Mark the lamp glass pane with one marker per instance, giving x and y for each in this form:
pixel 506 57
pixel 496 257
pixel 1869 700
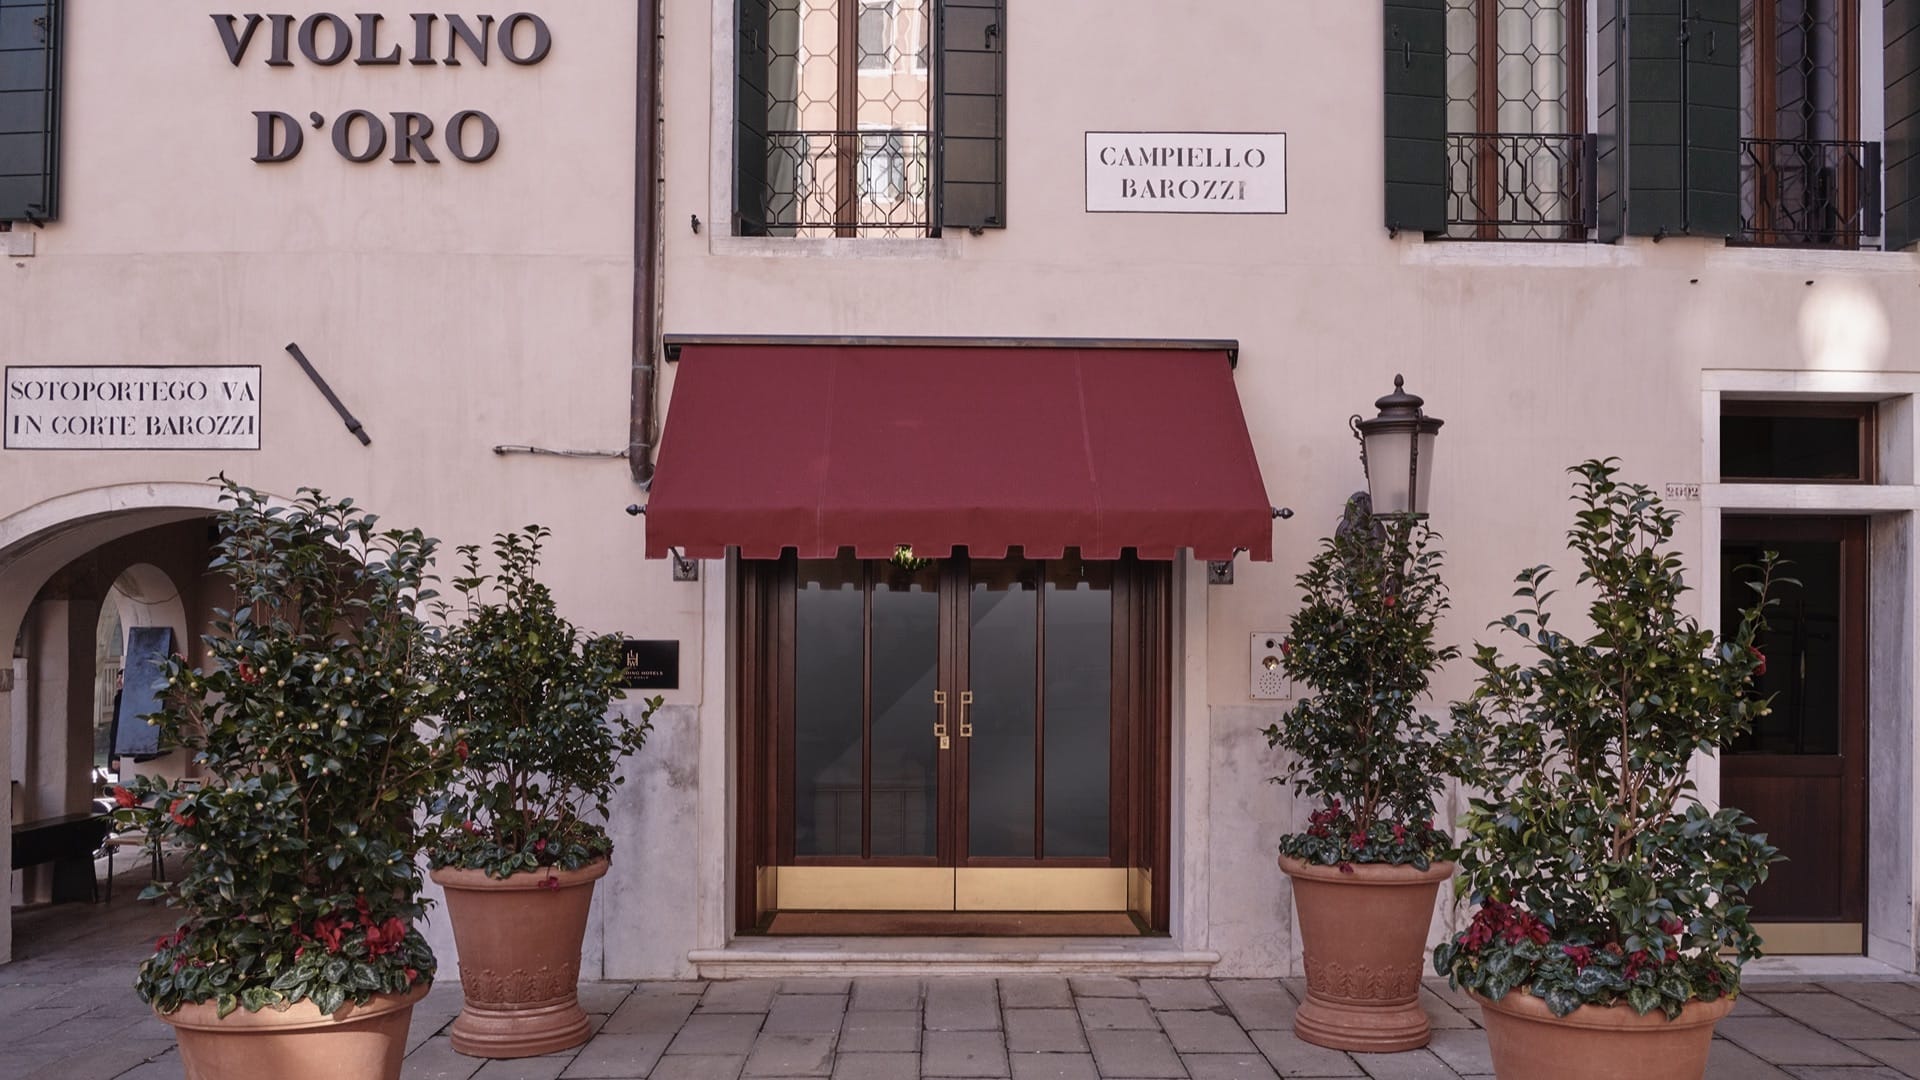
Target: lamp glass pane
pixel 1387 456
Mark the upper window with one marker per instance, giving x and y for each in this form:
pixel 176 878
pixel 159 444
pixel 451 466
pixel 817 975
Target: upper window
pixel 1806 179
pixel 1796 442
pixel 836 117
pixel 1515 112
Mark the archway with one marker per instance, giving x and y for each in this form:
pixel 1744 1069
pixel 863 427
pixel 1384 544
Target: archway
pixel 141 548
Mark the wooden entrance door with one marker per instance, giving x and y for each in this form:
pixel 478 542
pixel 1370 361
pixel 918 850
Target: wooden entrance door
pixel 958 735
pixel 1802 772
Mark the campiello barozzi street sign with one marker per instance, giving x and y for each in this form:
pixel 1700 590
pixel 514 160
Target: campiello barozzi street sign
pixel 1186 172
pixel 132 408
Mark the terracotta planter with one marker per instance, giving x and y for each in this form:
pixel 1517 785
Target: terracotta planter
pixel 1363 935
pixel 1596 1042
pixel 298 1042
pixel 519 959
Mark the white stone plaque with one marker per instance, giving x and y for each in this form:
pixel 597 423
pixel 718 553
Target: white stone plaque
pixel 1186 172
pixel 132 408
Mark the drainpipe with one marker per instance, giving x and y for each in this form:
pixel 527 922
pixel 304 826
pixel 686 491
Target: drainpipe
pixel 646 244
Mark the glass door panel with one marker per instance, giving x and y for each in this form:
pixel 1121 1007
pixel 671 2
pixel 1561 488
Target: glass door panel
pixel 1076 709
pixel 906 671
pixel 999 725
pixel 829 706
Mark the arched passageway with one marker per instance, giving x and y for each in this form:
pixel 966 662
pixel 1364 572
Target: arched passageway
pixel 77 574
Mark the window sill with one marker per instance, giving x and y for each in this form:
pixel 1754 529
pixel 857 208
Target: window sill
pixel 834 247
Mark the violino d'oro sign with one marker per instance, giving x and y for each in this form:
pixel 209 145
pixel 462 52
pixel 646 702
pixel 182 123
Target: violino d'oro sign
pixel 1186 172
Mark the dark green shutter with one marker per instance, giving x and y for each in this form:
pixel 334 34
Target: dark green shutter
pixel 1681 128
pixel 972 82
pixel 751 62
pixel 29 109
pixel 1609 133
pixel 1416 115
pixel 1903 123
pixel 1654 171
pixel 1713 118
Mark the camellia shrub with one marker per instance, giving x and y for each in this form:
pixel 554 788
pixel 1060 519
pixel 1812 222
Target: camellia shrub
pixel 527 725
pixel 1598 877
pixel 300 880
pixel 1363 641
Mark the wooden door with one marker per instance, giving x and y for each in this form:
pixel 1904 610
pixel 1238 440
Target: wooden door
pixel 1802 773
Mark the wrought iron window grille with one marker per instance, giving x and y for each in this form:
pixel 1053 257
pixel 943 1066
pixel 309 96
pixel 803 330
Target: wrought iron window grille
pixel 1520 186
pixel 1809 193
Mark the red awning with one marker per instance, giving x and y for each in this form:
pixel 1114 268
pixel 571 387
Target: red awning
pixel 822 447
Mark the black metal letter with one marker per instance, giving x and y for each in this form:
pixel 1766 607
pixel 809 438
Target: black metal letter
pixel 342 38
pixel 282 29
pixel 423 38
pixel 236 45
pixel 267 121
pixel 343 136
pixel 458 31
pixel 456 136
pixel 542 38
pixel 411 130
pixel 370 43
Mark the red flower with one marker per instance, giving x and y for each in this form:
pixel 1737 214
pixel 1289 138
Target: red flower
pixel 126 800
pixel 299 951
pixel 1286 648
pixel 1760 656
pixel 1400 832
pixel 462 751
pixel 1671 926
pixel 1581 955
pixel 1358 840
pixel 248 674
pixel 185 821
pixel 386 937
pixel 1390 601
pixel 551 883
pixel 472 827
pixel 411 976
pixel 539 845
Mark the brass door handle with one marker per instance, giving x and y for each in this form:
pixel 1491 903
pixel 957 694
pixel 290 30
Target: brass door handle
pixel 966 702
pixel 940 725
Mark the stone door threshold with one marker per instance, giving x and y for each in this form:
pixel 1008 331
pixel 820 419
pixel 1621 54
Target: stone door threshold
pixel 763 957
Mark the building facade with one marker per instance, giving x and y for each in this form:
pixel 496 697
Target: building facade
pixel 946 344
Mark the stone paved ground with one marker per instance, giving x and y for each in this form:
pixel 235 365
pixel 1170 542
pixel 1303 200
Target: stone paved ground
pixel 67 1013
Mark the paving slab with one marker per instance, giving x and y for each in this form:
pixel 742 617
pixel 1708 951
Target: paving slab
pixel 964 1053
pixel 1111 1013
pixel 617 1056
pixel 806 1014
pixel 1104 986
pixel 1205 1033
pixel 1902 1054
pixel 1727 1061
pixel 437 1060
pixel 1036 992
pixel 875 1066
pixel 1411 1065
pixel 1835 1016
pixel 743 995
pixel 1054 1067
pixel 533 1068
pixel 896 1031
pixel 1165 994
pixel 644 1013
pixel 1128 1054
pixel 1890 997
pixel 962 1004
pixel 815 986
pixel 716 1033
pixel 1780 1041
pixel 698 1067
pixel 1258 1004
pixel 1228 1067
pixel 1291 1056
pixel 884 994
pixel 790 1055
pixel 1044 1031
